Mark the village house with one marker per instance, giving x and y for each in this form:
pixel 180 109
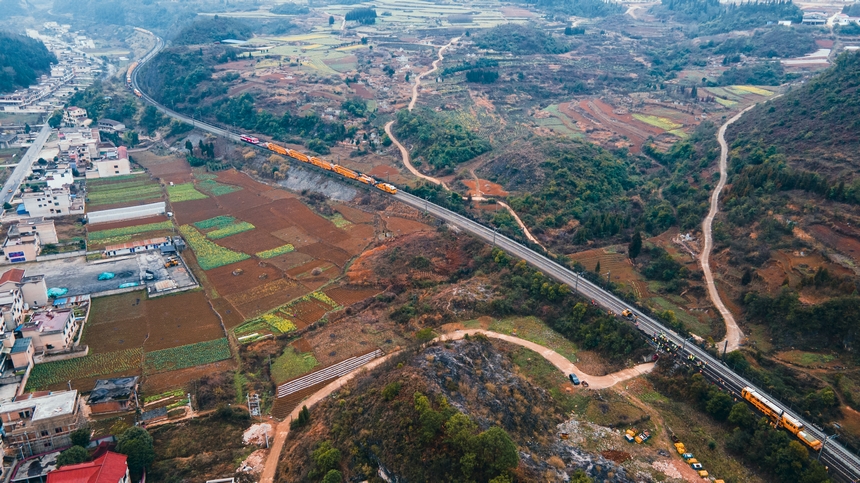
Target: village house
pixel 105 168
pixel 109 468
pixel 38 422
pixel 114 395
pixel 136 246
pixel 52 202
pixel 21 353
pixel 60 177
pixel 51 330
pixel 110 125
pixel 25 239
pixel 33 288
pixel 11 310
pixel 74 116
pixel 79 145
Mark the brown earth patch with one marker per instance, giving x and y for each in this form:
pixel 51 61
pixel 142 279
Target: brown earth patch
pixel 354 215
pixel 616 456
pixel 295 236
pixel 305 270
pixel 309 311
pixel 348 296
pixel 241 200
pixel 302 345
pixel 383 170
pixel 324 251
pixel 229 315
pixel 188 212
pixel 402 226
pixel 516 12
pixel 843 244
pixel 261 291
pixel 314 283
pixel 359 237
pixel 277 194
pixel 114 336
pixel 261 305
pixel 485 188
pixel 250 242
pixel 254 274
pixel 165 381
pixel 290 260
pixel 362 91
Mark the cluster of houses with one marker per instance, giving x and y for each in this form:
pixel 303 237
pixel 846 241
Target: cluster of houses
pixel 37 426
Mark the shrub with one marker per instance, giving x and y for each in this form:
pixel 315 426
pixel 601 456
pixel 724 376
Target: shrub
pixel 391 391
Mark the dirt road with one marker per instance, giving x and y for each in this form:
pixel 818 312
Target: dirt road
pixel 404 154
pixel 434 69
pixel 558 360
pixel 733 332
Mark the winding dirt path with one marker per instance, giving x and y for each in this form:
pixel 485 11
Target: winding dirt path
pixel 595 382
pixel 407 161
pixel 733 332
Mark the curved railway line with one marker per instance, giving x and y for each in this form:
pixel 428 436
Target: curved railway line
pixel 841 463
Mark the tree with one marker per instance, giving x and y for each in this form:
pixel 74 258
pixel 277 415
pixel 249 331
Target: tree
pixel 635 247
pixel 131 138
pixel 694 93
pixel 333 476
pixel 747 277
pixel 7 206
pixel 27 128
pixel 497 451
pixel 72 456
pixel 80 437
pixel 136 443
pixel 331 20
pixel 597 268
pixel 741 416
pixel 56 119
pixel 363 42
pixel 189 146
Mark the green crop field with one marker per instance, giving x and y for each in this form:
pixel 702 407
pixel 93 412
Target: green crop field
pixel 209 255
pixel 661 122
pixel 184 192
pixel 231 229
pixel 274 252
pixel 136 189
pixel 49 373
pixel 292 364
pixel 128 231
pixel 215 223
pixel 215 188
pixel 186 356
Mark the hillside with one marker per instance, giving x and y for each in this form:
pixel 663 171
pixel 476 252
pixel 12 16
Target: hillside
pixel 712 16
pixel 206 30
pixel 22 61
pixel 520 40
pixel 814 127
pixel 459 412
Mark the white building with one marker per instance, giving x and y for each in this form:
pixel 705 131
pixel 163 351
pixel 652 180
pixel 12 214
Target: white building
pixel 74 116
pixel 60 177
pixel 52 202
pixel 110 125
pixel 80 145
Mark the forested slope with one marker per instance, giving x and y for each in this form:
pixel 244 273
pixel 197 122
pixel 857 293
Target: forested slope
pixel 814 127
pixel 22 61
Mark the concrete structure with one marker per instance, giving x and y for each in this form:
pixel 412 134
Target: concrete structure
pixel 51 330
pixel 6 140
pixel 11 310
pixel 136 246
pixel 33 289
pixel 114 395
pixel 109 468
pixel 110 125
pixel 74 116
pixel 39 422
pixel 80 145
pixel 22 354
pixel 52 202
pixel 814 18
pixel 128 213
pixel 111 167
pixel 45 228
pixel 60 177
pixel 21 247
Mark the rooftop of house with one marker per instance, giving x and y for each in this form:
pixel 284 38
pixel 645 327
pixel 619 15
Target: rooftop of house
pixel 118 389
pixel 48 321
pixel 13 239
pixel 12 275
pixel 46 406
pixel 109 122
pixel 8 298
pixel 135 244
pixel 110 467
pixel 21 345
pixel 48 191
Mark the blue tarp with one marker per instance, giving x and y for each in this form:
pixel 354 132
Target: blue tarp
pixel 54 292
pixel 106 276
pixel 129 284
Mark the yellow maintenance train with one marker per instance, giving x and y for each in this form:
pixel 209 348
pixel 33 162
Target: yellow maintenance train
pixel 320 163
pixel 780 418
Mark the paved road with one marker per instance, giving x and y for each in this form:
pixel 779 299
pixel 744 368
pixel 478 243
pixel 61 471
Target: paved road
pixel 559 361
pixel 843 464
pixel 733 332
pixel 23 169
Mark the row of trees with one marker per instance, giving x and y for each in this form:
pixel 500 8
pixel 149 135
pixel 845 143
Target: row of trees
pixel 364 16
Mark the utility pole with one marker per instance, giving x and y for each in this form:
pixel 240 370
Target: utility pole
pixel 824 443
pixel 494 237
pixel 576 284
pixel 725 348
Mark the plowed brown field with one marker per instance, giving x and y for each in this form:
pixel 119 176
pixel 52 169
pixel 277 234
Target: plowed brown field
pixel 348 296
pixel 254 274
pixel 324 251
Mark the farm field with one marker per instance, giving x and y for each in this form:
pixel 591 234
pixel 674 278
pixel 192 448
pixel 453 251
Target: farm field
pixel 184 192
pixel 108 236
pixel 126 190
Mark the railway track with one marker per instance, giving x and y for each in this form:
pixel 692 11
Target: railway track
pixel 841 463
